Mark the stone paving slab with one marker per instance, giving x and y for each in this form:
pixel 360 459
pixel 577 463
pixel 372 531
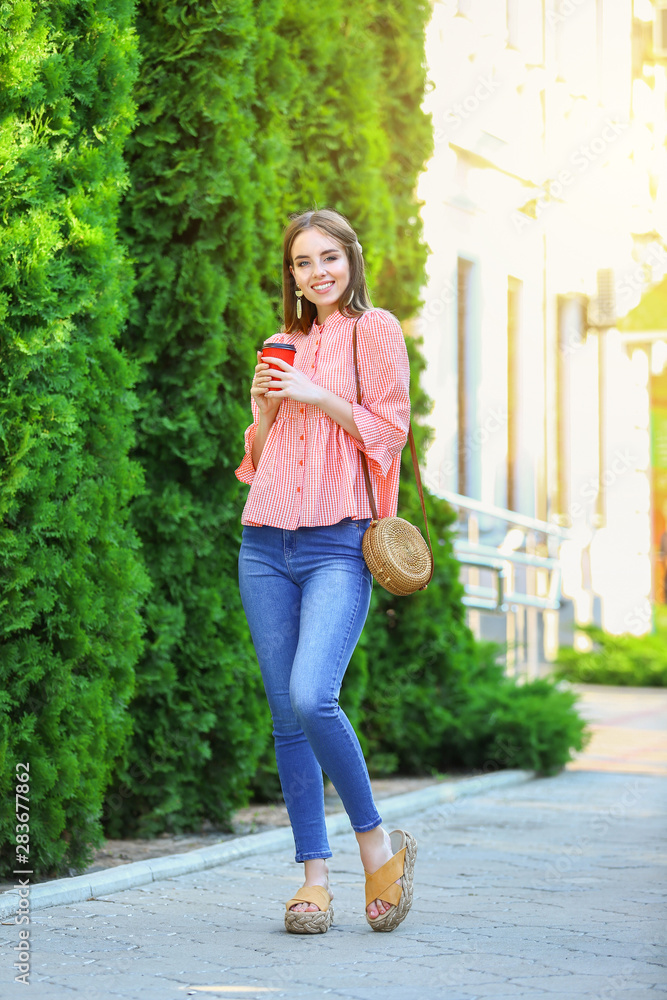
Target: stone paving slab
pixel 552 888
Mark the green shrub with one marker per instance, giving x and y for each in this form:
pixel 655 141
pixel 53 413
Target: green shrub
pixel 201 223
pixel 239 124
pixel 639 661
pixel 71 582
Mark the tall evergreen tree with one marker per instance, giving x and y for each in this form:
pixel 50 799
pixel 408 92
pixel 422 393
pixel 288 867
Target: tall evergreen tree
pixel 200 218
pixel 246 112
pixel 71 581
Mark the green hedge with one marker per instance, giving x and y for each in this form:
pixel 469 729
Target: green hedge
pixel 71 583
pixel 636 660
pixel 246 112
pixel 201 222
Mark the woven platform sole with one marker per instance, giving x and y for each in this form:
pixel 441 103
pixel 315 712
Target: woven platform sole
pixel 395 915
pixel 313 922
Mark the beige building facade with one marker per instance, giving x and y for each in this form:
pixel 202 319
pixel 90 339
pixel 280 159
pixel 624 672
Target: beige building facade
pixel 545 209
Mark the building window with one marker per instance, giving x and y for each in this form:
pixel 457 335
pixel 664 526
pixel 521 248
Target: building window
pixel 525 30
pixel 513 35
pixel 660 30
pixel 577 49
pixel 466 378
pixel 514 294
pixel 571 318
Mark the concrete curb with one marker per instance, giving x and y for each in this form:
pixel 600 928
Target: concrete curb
pixel 82 887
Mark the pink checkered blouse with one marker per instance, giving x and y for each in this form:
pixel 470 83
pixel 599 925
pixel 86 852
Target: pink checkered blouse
pixel 310 470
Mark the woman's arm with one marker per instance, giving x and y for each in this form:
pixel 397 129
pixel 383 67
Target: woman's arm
pixel 267 407
pixel 291 383
pixel 339 410
pixel 379 428
pixel 261 434
pixel 383 418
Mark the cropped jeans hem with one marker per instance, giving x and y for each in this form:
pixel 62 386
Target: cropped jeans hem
pixel 312 857
pixel 367 826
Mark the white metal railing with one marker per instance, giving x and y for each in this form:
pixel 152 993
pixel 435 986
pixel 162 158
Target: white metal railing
pixel 526 575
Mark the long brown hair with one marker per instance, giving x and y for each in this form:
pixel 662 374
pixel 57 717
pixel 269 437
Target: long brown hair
pixel 355 299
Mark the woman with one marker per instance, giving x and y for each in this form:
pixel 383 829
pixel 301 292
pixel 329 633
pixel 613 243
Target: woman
pixel 304 584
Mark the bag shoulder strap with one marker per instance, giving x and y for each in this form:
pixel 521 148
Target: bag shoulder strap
pixel 413 452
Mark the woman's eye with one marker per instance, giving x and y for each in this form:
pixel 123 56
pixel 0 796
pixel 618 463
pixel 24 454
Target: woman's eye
pixel 301 263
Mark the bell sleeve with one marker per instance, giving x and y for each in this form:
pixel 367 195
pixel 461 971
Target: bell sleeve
pixel 246 470
pixel 383 418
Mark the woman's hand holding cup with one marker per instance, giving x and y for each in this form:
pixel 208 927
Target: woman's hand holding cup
pixel 262 389
pixel 267 404
pixel 276 379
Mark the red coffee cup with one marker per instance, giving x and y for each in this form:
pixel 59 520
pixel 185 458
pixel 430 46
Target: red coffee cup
pixel 286 352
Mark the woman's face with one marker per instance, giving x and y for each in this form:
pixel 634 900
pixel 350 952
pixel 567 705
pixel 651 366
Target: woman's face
pixel 321 270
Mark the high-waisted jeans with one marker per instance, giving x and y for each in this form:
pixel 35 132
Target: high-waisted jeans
pixel 306 595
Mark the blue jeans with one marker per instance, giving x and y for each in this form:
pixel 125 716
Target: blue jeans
pixel 306 595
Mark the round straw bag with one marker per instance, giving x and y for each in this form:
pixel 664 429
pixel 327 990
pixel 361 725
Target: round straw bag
pixel 395 550
pixel 397 555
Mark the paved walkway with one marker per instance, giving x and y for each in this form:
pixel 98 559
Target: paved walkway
pixel 629 729
pixel 553 888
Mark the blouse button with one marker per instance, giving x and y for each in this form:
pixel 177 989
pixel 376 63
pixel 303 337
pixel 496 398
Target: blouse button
pixel 298 489
pixel 301 438
pixel 301 410
pixel 301 461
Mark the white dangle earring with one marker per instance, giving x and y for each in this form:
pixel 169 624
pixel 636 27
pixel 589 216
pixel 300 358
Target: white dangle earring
pixel 299 293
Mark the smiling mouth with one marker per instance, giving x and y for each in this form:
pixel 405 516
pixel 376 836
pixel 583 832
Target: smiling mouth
pixel 323 287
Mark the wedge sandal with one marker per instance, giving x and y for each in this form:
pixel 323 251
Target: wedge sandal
pixel 312 921
pixel 382 883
